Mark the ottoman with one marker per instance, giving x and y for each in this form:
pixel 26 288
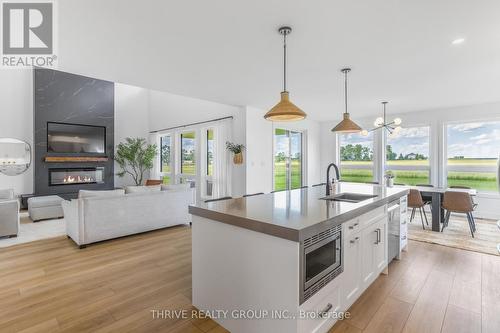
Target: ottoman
pixel 47 207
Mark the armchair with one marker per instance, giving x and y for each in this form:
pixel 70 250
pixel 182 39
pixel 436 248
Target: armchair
pixel 9 214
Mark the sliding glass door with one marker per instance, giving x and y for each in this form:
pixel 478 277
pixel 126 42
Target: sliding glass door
pixel 188 157
pixel 287 159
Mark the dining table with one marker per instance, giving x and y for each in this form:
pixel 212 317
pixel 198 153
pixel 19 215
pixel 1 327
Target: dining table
pixel 435 196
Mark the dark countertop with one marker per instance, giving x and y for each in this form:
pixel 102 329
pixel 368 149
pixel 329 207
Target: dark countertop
pixel 296 214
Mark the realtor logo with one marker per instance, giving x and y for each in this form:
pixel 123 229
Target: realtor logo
pixel 28 34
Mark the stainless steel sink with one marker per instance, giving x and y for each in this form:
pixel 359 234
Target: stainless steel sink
pixel 349 197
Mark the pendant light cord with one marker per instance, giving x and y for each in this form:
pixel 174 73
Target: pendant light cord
pixel 345 89
pixel 284 61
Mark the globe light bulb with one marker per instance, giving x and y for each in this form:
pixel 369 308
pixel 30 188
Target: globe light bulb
pixel 378 122
pixel 397 129
pixel 364 133
pixel 397 121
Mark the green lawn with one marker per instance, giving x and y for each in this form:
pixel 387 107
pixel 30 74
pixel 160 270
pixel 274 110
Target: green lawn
pixel 483 181
pixel 280 175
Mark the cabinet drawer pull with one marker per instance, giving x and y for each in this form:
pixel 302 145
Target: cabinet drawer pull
pixel 354 225
pixel 354 240
pixel 379 238
pixel 327 308
pixel 403 237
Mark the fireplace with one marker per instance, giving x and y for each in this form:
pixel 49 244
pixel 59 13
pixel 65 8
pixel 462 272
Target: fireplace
pixel 75 176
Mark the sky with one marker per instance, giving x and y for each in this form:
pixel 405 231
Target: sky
pixel 281 143
pixel 471 140
pixel 474 140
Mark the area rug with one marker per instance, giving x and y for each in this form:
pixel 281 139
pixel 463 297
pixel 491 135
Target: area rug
pixel 457 234
pixel 29 231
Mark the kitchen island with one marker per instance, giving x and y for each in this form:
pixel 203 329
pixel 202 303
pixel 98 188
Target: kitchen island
pixel 290 261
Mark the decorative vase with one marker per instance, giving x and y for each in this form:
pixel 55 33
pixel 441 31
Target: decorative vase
pixel 390 182
pixel 238 158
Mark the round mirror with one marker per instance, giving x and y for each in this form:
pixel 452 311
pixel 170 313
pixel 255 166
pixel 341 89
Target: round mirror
pixel 15 156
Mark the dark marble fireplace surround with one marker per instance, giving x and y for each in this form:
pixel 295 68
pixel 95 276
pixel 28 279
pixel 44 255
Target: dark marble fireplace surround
pixel 72 99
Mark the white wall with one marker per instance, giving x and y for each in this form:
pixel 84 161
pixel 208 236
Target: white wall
pixel 131 119
pixel 169 110
pixel 260 142
pixel 489 204
pixel 16 120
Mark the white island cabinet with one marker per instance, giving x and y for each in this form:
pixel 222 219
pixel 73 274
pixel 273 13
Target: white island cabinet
pixel 247 272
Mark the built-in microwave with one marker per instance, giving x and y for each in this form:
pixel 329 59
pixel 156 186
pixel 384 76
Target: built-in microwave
pixel 321 260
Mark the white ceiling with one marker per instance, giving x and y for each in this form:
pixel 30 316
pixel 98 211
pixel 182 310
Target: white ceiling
pixel 229 50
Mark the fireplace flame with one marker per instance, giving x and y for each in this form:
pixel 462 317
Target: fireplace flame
pixel 77 179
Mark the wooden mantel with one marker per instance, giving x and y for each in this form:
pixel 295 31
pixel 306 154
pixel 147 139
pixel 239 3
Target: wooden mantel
pixel 74 159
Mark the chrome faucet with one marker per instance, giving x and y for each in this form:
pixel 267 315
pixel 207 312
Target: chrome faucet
pixel 337 176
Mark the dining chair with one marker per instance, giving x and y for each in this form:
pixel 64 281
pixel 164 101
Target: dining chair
pixel 426 200
pixel 218 199
pixel 320 184
pixel 253 194
pixel 415 202
pixel 459 202
pixel 465 188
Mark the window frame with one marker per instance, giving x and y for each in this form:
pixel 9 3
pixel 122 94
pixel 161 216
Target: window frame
pixel 170 174
pixel 303 166
pixel 431 156
pixel 180 175
pixel 444 149
pixel 375 157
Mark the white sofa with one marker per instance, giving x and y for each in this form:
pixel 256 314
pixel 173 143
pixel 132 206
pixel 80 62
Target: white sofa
pixel 9 214
pixel 97 218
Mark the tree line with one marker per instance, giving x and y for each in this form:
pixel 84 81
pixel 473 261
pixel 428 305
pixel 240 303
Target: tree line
pixel 359 152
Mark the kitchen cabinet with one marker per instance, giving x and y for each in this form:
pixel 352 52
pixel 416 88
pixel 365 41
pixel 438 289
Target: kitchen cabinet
pixel 374 250
pixel 365 255
pixel 351 287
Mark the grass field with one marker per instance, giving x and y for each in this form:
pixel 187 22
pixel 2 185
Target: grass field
pixel 484 181
pixel 280 175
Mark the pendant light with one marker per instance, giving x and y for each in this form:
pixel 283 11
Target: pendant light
pixel 392 127
pixel 285 110
pixel 346 125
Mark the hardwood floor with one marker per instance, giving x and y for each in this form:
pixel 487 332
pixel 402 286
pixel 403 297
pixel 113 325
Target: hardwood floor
pixel 52 286
pixel 432 289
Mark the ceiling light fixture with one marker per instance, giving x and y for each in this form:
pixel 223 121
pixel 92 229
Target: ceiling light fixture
pixel 392 128
pixel 346 125
pixel 285 110
pixel 458 41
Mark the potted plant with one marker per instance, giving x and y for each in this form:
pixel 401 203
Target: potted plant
pixel 135 156
pixel 389 178
pixel 237 150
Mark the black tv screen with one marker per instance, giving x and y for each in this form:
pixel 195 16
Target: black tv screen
pixel 78 139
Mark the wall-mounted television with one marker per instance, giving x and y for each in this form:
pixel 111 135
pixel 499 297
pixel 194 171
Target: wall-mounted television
pixel 75 138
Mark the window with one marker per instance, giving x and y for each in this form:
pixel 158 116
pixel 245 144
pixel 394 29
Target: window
pixel 287 159
pixel 407 155
pixel 356 157
pixel 166 159
pixel 210 162
pixel 210 152
pixel 473 150
pixel 188 159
